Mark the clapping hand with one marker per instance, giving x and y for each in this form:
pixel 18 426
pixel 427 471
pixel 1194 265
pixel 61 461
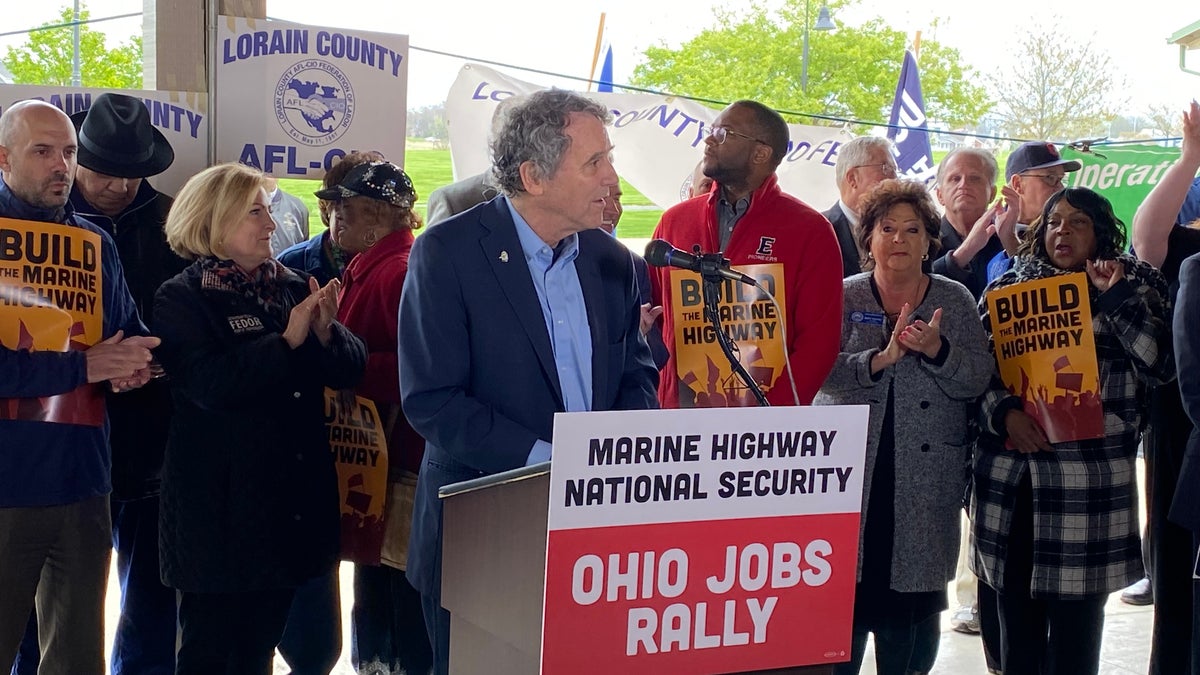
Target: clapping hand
pixel 1006 219
pixel 124 363
pixel 922 337
pixel 315 313
pixel 977 238
pixel 895 349
pixel 326 308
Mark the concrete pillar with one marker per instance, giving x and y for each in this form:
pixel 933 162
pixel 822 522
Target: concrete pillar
pixel 174 40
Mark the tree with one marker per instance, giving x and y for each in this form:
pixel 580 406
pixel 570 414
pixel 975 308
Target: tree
pixel 852 72
pixel 428 121
pixel 1056 89
pixel 46 57
pixel 1166 118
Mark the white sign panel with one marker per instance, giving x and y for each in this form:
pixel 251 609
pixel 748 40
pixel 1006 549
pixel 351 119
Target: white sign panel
pixel 181 116
pixel 293 99
pixel 702 541
pixel 658 139
pixel 654 466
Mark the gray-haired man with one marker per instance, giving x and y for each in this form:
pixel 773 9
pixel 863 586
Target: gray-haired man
pixel 513 311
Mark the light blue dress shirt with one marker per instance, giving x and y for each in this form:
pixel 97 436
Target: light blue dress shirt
pixel 561 297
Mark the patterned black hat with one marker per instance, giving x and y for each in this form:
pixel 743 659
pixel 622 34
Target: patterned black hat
pixel 376 180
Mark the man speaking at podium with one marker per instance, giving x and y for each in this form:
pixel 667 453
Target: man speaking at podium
pixel 512 311
pixel 783 243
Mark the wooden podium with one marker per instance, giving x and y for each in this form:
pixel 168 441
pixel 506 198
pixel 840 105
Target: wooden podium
pixel 493 573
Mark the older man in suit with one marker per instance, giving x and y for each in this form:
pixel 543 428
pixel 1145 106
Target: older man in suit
pixel 861 164
pixel 514 311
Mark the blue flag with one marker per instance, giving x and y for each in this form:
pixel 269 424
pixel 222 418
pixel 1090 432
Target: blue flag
pixel 909 133
pixel 606 72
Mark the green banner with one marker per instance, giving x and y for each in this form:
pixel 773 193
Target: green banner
pixel 1124 174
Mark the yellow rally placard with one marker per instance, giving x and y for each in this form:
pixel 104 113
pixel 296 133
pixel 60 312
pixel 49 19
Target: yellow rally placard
pixel 51 299
pixel 749 318
pixel 359 445
pixel 1047 354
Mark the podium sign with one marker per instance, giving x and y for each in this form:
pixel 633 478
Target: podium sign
pixel 702 541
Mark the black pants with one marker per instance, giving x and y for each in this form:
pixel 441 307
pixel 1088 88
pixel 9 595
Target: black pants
pixel 312 638
pixel 1171 563
pixel 893 649
pixel 387 623
pixel 927 638
pixel 1043 636
pixel 437 622
pixel 231 633
pixel 989 625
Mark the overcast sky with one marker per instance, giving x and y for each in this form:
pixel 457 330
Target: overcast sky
pixel 558 36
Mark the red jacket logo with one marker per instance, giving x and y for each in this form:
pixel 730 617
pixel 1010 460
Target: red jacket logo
pixel 765 245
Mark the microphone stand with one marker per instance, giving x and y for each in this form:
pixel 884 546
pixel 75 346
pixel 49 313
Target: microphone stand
pixel 710 263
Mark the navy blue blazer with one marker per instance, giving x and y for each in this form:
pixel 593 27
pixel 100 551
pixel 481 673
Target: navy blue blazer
pixel 477 373
pixel 851 264
pixel 1185 510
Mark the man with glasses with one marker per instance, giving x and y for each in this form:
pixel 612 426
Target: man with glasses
pixel 861 164
pixel 790 245
pixel 1036 171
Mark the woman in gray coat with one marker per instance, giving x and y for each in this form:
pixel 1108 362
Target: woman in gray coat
pixel 912 349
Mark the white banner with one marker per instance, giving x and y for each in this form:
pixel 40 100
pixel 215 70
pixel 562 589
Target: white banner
pixel 291 99
pixel 711 464
pixel 181 116
pixel 658 139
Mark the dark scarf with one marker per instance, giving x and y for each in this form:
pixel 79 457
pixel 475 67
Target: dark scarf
pixel 263 286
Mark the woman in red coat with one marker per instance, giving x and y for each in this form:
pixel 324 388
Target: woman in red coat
pixel 373 206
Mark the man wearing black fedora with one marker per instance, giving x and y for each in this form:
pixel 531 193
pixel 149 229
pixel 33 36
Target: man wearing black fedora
pixel 118 149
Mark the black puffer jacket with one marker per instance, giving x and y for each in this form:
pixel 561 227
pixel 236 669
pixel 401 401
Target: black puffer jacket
pixel 249 493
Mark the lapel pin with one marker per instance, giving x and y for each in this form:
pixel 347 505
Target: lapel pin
pixel 503 256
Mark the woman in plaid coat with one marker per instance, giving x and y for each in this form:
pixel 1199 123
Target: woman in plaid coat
pixel 1054 525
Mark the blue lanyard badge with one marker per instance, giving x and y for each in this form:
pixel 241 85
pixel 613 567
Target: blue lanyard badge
pixel 869 318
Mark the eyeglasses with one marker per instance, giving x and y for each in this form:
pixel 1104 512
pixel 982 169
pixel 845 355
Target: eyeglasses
pixel 1048 178
pixel 719 135
pixel 886 169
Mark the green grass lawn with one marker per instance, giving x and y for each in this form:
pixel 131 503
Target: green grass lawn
pixel 429 169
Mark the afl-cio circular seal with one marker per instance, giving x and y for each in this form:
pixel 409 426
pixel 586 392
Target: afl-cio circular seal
pixel 314 102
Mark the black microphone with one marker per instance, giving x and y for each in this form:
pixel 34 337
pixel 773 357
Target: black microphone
pixel 662 254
